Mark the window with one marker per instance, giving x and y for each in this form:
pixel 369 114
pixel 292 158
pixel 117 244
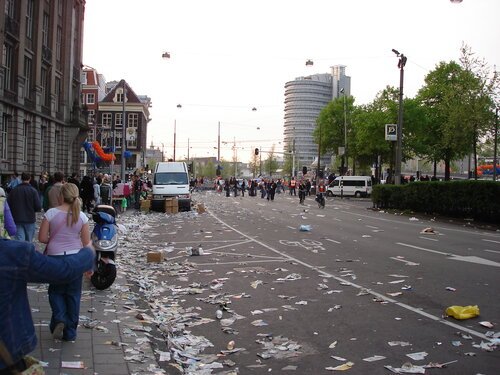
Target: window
pixel 90 98
pixel 133 120
pixel 58 44
pixel 58 146
pixel 45 30
pixel 45 88
pixel 91 116
pixel 118 119
pixel 43 134
pixel 29 19
pixel 24 139
pixel 7 62
pixel 3 136
pixel 118 140
pixel 106 119
pixel 119 95
pixel 58 93
pixel 28 76
pixel 9 8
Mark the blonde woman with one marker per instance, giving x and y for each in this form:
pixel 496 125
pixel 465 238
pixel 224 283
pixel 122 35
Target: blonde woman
pixel 65 230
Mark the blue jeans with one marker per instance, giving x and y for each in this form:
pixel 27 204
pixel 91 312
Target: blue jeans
pixel 64 300
pixel 25 232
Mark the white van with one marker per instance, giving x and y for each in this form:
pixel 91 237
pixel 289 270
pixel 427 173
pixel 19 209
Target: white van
pixel 357 186
pixel 171 180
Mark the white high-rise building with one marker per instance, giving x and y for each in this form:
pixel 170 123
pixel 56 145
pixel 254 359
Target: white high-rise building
pixel 305 97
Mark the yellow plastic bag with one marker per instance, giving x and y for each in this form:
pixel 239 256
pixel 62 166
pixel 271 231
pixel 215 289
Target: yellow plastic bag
pixel 463 312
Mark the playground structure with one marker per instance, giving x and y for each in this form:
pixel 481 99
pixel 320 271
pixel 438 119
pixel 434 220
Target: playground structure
pixel 487 169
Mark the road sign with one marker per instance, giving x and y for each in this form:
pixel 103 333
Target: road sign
pixel 391 132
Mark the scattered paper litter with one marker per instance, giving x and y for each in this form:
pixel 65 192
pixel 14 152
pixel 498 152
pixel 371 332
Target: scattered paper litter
pixel 406 368
pixel 374 358
pixel 486 324
pixel 72 364
pixel 343 367
pixel 418 356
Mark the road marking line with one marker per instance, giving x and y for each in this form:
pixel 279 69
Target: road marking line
pixel 424 249
pixel 371 226
pixel 347 282
pixel 422 223
pixel 427 238
pixel 408 263
pixel 243 262
pixel 468 258
pixel 491 241
pixel 492 251
pixel 329 239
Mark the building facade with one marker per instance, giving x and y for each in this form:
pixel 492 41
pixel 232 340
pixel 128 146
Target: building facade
pixel 305 97
pixel 121 126
pixel 42 120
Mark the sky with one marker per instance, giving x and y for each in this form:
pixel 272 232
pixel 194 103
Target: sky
pixel 228 57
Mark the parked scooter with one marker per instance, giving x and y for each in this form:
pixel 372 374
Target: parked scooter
pixel 105 241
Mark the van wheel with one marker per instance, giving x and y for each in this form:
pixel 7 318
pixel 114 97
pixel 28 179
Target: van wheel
pixel 329 193
pixel 358 194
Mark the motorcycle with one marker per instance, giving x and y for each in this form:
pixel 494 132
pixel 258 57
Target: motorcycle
pixel 105 241
pixel 320 199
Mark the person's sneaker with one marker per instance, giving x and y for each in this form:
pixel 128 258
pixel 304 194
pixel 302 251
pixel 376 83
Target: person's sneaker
pixel 58 331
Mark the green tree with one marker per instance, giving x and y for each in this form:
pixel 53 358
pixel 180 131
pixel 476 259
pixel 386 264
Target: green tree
pixel 332 122
pixel 445 97
pixel 478 106
pixel 271 164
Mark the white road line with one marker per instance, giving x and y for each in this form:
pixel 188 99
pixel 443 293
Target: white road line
pixel 413 223
pixel 492 251
pixel 371 226
pixel 490 241
pixel 407 262
pixel 243 262
pixel 347 282
pixel 427 238
pixel 329 239
pixel 467 258
pixel 424 249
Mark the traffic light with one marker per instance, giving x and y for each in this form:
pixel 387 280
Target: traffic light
pixel 190 167
pixel 218 171
pixel 304 170
pixel 256 151
pixel 321 174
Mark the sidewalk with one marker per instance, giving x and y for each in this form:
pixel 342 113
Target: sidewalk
pixel 111 339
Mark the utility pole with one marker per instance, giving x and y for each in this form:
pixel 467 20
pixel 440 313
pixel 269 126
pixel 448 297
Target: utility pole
pixel 175 135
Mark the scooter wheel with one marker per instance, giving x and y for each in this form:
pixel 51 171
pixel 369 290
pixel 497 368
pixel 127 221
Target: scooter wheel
pixel 104 277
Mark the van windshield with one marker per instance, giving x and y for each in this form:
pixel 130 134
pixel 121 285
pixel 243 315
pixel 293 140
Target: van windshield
pixel 171 178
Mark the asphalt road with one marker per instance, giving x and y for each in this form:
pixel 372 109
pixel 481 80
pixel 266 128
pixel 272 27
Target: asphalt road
pixel 358 284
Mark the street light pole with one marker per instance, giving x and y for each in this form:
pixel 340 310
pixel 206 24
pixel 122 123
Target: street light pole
pixel 124 134
pixel 342 90
pixel 319 156
pixel 399 143
pixel 495 160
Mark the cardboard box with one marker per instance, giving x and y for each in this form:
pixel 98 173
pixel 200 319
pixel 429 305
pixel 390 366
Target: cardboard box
pixel 154 257
pixel 171 206
pixel 145 205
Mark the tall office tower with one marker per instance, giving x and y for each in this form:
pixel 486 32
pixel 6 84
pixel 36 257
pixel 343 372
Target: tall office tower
pixel 305 97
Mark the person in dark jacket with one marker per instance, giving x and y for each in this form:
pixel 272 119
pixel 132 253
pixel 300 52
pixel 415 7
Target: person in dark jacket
pixel 24 203
pixel 21 264
pixel 87 193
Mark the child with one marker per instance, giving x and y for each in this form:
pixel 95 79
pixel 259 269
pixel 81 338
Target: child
pixel 124 205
